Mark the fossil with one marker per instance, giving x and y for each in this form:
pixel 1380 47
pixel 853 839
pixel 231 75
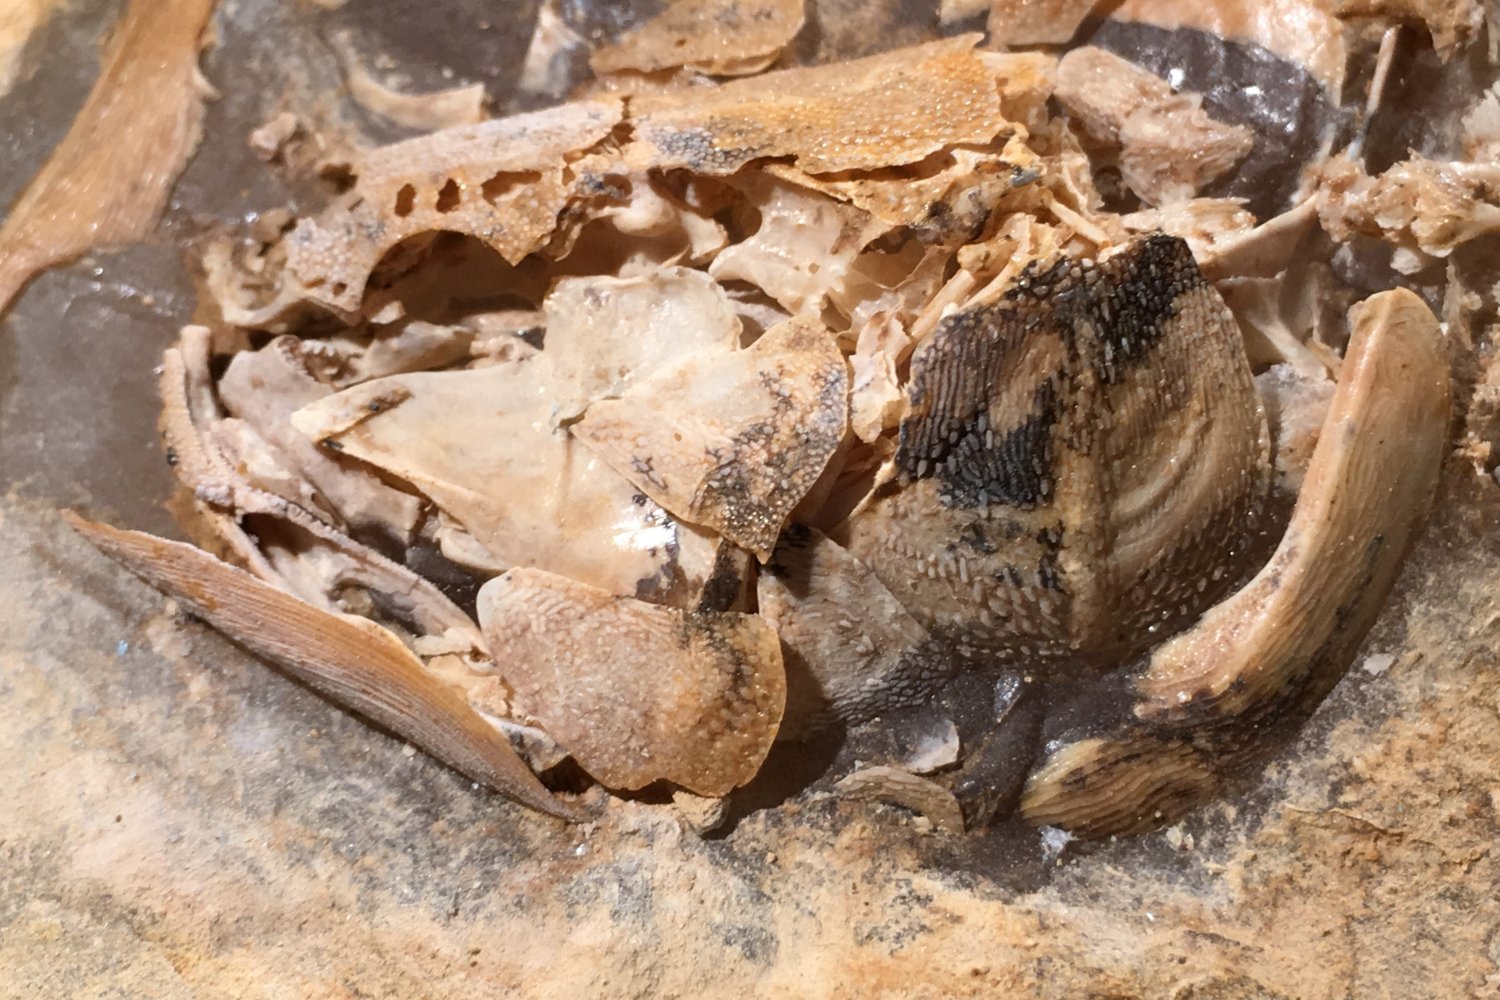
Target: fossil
pixel 649 432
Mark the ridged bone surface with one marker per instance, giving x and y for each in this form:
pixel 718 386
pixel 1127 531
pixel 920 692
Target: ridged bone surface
pixel 1083 462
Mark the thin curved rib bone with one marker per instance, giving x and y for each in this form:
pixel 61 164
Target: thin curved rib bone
pixel 1285 638
pixel 349 659
pixel 223 496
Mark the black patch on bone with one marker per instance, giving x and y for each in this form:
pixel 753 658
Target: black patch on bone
pixel 1242 83
pixel 1127 302
pixel 950 436
pixel 1108 315
pixel 1016 470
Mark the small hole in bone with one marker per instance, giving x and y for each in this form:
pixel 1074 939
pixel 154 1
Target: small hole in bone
pixel 406 198
pixel 448 196
pixel 506 181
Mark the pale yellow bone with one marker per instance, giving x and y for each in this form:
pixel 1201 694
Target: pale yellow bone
pixel 349 659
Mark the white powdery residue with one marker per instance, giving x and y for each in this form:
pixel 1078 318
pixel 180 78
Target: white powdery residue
pixel 1178 839
pixel 1377 663
pixel 1053 842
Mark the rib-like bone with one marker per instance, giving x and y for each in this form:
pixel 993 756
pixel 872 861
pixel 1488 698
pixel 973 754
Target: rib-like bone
pixel 224 498
pixel 1286 637
pixel 350 659
pixel 107 182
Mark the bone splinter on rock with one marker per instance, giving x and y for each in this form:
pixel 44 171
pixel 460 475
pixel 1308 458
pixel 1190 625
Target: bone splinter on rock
pixel 352 660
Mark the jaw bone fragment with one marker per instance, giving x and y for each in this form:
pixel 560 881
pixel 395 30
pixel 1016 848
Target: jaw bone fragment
pixel 1284 639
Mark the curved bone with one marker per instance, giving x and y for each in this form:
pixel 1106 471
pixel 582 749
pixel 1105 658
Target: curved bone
pixel 891 784
pixel 350 659
pixel 223 497
pixel 1284 639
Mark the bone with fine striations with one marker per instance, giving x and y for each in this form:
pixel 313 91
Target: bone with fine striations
pixel 731 440
pixel 891 784
pixel 350 659
pixel 636 692
pixel 1368 486
pixel 1076 460
pixel 108 180
pixel 1119 785
pixel 1286 637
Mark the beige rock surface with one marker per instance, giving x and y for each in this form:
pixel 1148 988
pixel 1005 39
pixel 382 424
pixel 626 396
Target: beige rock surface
pixel 181 822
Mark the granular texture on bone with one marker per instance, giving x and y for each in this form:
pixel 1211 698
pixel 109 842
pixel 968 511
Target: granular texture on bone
pixel 637 692
pixel 878 111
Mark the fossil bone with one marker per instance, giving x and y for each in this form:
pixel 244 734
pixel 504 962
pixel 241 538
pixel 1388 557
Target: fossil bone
pixel 637 692
pixel 1288 635
pixel 348 658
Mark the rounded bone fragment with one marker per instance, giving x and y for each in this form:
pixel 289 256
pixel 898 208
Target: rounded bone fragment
pixel 636 692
